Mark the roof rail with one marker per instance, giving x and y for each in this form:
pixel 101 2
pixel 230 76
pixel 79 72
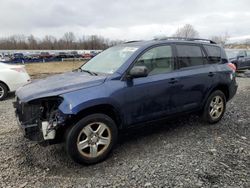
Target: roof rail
pixel 132 41
pixel 186 39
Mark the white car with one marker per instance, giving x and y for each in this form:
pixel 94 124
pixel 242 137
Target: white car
pixel 11 78
pixel 2 58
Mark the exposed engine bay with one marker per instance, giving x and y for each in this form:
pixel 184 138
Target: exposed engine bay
pixel 40 118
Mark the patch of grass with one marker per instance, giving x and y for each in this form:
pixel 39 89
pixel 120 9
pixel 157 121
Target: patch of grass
pixel 37 70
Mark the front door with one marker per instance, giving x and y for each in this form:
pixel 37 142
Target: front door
pixel 149 98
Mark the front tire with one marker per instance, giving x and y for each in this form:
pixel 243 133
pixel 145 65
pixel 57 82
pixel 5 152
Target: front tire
pixel 91 139
pixel 215 107
pixel 3 91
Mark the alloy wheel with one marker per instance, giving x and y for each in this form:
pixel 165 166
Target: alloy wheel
pixel 1 92
pixel 216 107
pixel 94 139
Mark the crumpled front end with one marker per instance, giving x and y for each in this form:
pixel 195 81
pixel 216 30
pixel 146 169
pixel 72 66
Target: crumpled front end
pixel 40 120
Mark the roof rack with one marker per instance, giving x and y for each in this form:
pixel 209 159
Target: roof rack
pixel 132 41
pixel 186 39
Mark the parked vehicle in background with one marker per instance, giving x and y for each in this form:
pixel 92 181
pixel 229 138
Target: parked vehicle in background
pixel 45 55
pixel 239 57
pixel 11 78
pixel 2 58
pixel 89 55
pixel 29 57
pixel 18 56
pixel 61 55
pixel 70 55
pixel 35 56
pixel 86 56
pixel 5 57
pixel 124 86
pixel 75 54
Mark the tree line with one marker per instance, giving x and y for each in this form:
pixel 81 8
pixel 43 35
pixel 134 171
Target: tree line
pixel 67 42
pixel 70 42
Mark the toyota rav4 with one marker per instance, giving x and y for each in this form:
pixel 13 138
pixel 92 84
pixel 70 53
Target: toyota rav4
pixel 124 86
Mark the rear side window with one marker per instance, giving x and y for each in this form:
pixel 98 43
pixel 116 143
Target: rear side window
pixel 189 55
pixel 214 54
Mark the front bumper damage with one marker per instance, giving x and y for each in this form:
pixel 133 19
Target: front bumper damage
pixel 40 120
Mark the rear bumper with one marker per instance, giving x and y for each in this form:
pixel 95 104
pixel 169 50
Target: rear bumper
pixel 232 90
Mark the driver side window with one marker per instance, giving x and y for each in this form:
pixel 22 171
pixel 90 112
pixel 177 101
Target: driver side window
pixel 157 60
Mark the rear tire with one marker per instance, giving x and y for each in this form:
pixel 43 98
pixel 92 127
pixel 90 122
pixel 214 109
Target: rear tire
pixel 215 107
pixel 91 139
pixel 3 91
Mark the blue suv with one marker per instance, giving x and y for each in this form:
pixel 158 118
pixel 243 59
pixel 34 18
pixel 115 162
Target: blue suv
pixel 125 86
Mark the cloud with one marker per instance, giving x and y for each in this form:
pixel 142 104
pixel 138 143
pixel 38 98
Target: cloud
pixel 127 19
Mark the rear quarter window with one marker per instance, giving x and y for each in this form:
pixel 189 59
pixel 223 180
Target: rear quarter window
pixel 214 54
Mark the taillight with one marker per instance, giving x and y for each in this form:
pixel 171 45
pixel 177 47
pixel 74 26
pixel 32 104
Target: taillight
pixel 18 69
pixel 232 66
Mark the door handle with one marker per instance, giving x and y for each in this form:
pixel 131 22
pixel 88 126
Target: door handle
pixel 173 81
pixel 211 74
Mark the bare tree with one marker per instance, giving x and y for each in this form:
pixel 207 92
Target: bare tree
pixel 48 42
pixel 68 39
pixel 187 31
pixel 221 39
pixel 32 42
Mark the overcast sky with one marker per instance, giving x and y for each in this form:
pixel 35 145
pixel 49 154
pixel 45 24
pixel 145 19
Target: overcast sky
pixel 124 19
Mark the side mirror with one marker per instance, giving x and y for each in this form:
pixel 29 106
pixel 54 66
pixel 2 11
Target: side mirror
pixel 138 71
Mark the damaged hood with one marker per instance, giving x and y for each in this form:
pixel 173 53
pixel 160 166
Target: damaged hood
pixel 57 85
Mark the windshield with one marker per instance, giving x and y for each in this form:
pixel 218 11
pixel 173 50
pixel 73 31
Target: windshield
pixel 232 53
pixel 109 60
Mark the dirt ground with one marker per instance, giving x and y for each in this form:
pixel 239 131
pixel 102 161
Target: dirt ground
pixel 185 152
pixel 39 70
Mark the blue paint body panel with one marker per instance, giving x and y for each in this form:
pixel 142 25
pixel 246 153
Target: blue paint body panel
pixel 137 100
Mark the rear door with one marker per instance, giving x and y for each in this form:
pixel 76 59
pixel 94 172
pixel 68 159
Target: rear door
pixel 195 77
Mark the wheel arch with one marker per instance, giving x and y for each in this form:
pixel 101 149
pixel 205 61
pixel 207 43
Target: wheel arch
pixel 106 109
pixel 222 87
pixel 5 85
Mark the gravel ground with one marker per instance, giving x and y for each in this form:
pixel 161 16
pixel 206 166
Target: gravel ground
pixel 179 153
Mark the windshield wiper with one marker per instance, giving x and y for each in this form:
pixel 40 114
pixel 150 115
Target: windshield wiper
pixel 90 72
